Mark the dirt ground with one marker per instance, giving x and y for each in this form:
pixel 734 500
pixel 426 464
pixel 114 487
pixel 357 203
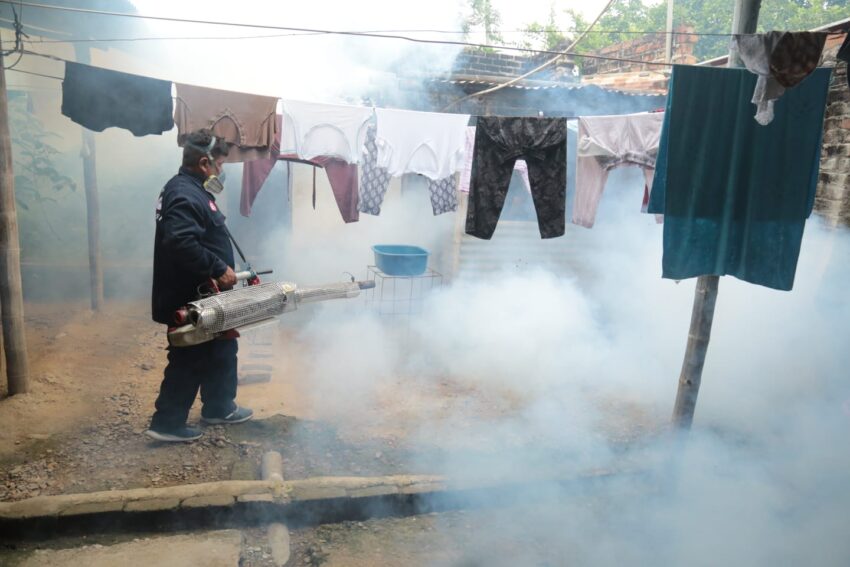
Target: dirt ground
pixel 94 381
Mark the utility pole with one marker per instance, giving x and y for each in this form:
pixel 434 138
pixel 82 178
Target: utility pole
pixel 668 46
pixel 11 290
pixel 745 20
pixel 89 155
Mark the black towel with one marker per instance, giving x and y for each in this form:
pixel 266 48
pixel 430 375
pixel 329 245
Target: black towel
pixel 99 98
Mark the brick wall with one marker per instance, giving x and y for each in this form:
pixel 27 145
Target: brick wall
pixel 833 196
pixel 475 62
pixel 646 48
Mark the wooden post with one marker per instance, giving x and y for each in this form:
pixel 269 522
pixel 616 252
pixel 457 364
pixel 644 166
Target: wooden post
pixel 745 20
pixel 700 333
pixel 668 44
pixel 11 290
pixel 93 219
pixel 89 155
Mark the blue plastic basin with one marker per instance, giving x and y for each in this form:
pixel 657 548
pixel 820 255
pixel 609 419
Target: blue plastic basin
pixel 400 259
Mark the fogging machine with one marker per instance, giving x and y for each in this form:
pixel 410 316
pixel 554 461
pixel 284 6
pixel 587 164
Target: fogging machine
pixel 221 313
pixel 254 305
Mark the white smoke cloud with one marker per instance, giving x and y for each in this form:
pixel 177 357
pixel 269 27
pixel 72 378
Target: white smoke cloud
pixel 562 372
pixel 297 65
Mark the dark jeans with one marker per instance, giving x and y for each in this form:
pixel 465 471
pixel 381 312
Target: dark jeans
pixel 209 366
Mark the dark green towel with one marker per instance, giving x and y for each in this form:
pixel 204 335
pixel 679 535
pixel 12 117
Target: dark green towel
pixel 735 195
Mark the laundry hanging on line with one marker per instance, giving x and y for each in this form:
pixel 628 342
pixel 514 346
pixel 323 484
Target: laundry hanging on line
pixel 735 195
pixel 246 122
pixel 520 166
pixel 375 180
pixel 428 143
pixel 781 60
pixel 606 143
pixel 318 129
pixel 499 142
pixel 255 172
pixel 98 99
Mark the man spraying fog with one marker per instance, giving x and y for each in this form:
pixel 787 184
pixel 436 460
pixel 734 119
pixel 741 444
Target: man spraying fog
pixel 191 246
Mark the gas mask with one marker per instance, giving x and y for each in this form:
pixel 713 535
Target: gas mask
pixel 214 184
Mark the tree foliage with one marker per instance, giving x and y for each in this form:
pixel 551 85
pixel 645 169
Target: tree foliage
pixel 484 15
pixel 705 16
pixel 37 179
pixel 39 182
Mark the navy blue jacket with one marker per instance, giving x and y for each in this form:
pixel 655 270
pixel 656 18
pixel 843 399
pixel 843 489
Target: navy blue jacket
pixel 190 246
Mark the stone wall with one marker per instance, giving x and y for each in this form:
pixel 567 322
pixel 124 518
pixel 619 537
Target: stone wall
pixel 477 62
pixel 833 196
pixel 645 48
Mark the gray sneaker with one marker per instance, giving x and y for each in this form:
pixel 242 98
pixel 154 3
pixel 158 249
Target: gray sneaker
pixel 180 434
pixel 239 415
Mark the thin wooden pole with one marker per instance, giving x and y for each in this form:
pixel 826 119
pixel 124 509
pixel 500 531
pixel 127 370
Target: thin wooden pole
pixel 745 20
pixel 11 290
pixel 89 155
pixel 93 219
pixel 668 45
pixel 698 337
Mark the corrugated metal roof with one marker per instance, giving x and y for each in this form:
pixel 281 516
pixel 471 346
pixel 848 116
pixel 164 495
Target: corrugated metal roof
pixel 539 87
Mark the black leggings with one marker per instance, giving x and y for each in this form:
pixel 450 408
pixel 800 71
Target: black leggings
pixel 542 143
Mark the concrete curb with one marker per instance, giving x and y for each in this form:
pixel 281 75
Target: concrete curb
pixel 294 503
pixel 215 494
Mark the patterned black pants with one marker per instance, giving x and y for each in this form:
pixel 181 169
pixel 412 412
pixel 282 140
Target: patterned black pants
pixel 542 143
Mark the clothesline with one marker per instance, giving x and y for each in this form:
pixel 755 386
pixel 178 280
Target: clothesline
pixel 301 34
pixel 62 60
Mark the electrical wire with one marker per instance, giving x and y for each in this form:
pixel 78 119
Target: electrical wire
pixel 536 51
pixel 315 31
pixel 310 31
pixel 36 74
pixel 306 34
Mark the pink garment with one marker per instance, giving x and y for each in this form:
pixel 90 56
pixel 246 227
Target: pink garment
pixel 255 173
pixel 609 142
pixel 343 179
pixel 466 173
